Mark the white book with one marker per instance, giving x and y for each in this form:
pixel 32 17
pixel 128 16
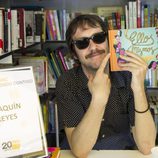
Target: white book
pixel 130 14
pixel 127 17
pixel 9 30
pixel 64 23
pixel 15 30
pixel 134 14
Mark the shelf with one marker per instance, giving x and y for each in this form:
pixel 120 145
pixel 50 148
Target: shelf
pixel 154 88
pixel 55 41
pixel 24 49
pixel 5 55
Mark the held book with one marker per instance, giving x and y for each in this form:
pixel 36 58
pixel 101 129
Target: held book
pixel 21 123
pixel 142 41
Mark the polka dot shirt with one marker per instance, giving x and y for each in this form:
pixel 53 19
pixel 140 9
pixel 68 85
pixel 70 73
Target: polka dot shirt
pixel 73 98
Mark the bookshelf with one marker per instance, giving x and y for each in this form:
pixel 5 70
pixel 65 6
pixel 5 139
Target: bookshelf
pixel 86 6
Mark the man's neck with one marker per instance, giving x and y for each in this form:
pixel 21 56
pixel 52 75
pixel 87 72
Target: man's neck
pixel 88 72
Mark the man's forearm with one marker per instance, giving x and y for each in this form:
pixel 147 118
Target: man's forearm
pixel 85 134
pixel 144 131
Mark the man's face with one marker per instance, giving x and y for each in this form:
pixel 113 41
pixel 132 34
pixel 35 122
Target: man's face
pixel 92 56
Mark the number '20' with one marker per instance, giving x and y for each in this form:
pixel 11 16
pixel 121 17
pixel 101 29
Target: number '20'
pixel 6 145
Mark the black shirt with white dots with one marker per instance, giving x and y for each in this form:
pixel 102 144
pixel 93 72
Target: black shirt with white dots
pixel 73 98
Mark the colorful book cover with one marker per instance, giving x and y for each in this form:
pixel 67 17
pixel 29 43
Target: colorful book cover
pixel 53 152
pixel 142 41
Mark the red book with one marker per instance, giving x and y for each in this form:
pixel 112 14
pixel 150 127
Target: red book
pixel 21 27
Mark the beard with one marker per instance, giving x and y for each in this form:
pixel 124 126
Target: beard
pixel 92 66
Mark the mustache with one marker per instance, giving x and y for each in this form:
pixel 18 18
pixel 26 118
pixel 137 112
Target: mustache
pixel 95 51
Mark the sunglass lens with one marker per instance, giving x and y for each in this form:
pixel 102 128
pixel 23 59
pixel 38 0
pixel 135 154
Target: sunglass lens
pixel 99 37
pixel 82 44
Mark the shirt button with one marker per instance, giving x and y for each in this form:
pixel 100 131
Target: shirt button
pixel 102 119
pixel 103 135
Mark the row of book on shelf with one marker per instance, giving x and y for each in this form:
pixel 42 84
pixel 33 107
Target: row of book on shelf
pixel 135 14
pixel 20 27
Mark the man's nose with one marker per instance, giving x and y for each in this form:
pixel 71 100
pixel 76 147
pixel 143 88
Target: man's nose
pixel 92 45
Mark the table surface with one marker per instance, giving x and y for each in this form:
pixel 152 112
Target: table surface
pixel 108 154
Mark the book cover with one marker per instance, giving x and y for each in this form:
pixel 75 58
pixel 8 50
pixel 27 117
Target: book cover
pixel 54 152
pixel 21 136
pixel 142 41
pixel 39 65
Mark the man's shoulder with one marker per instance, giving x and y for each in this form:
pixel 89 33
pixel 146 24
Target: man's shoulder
pixel 67 77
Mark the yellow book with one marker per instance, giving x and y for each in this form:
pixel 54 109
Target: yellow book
pixel 107 11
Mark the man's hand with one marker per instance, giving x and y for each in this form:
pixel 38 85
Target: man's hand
pixel 99 85
pixel 137 66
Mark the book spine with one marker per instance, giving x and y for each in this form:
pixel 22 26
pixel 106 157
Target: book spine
pixel 1 32
pixel 55 64
pixel 62 60
pixel 9 29
pixel 130 15
pixel 142 14
pixel 47 52
pixel 21 27
pixel 57 24
pixel 114 21
pixel 145 15
pixel 134 12
pixel 5 31
pixel 48 26
pixel 38 25
pixel 118 20
pixel 15 29
pixel 138 13
pixel 122 21
pixel 126 16
pixel 153 78
pixel 44 26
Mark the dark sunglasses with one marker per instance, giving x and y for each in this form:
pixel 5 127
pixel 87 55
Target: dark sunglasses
pixel 83 43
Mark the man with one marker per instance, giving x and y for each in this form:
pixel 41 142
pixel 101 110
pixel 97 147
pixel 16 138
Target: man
pixel 102 110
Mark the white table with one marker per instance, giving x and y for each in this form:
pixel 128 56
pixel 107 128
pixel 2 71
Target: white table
pixel 108 154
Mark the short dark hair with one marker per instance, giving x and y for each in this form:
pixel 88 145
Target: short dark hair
pixel 80 21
